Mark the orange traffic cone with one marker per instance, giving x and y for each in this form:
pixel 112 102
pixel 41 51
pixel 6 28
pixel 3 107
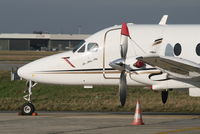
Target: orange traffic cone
pixel 138 115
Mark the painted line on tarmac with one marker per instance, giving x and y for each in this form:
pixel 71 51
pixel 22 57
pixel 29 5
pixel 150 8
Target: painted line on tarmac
pixel 179 130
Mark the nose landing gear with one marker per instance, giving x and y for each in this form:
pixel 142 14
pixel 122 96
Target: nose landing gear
pixel 28 108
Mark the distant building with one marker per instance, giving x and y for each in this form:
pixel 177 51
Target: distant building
pixel 40 42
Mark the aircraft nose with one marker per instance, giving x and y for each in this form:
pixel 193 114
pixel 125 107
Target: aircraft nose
pixel 20 72
pixel 23 72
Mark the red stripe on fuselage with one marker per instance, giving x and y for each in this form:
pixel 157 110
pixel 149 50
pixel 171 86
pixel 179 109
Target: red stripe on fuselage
pixel 67 60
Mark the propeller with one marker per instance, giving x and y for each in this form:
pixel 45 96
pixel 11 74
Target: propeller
pixel 119 64
pixel 124 48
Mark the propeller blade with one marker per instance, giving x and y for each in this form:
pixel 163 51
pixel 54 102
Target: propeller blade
pixel 124 40
pixel 122 88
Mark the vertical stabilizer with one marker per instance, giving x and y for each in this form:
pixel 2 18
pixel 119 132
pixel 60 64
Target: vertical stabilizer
pixel 163 20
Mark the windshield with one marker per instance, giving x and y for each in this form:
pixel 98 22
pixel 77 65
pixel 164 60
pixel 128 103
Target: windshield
pixel 78 46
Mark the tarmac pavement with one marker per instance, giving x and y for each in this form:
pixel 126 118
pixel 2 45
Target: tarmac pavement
pixel 97 123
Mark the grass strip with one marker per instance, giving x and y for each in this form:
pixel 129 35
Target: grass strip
pixel 100 98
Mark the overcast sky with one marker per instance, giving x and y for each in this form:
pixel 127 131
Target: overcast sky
pixel 65 16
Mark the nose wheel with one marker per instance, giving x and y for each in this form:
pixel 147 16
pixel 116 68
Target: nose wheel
pixel 28 108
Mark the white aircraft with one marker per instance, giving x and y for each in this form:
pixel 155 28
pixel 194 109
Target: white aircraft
pixel 161 57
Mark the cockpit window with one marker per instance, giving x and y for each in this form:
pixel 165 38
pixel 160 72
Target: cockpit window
pixel 92 47
pixel 78 46
pixel 82 49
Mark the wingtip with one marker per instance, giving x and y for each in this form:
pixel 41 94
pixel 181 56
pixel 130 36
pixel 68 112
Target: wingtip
pixel 124 30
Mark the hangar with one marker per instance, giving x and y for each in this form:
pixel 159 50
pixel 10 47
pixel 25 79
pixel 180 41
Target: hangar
pixel 40 42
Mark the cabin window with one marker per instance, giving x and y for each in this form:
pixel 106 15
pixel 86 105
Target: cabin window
pixel 92 47
pixel 82 49
pixel 177 49
pixel 198 49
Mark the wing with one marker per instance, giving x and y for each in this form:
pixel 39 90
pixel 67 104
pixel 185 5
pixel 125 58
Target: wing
pixel 176 67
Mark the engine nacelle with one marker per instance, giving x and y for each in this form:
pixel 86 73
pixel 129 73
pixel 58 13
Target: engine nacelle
pixel 149 77
pixel 160 81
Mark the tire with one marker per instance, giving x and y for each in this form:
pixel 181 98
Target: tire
pixel 27 109
pixel 164 95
